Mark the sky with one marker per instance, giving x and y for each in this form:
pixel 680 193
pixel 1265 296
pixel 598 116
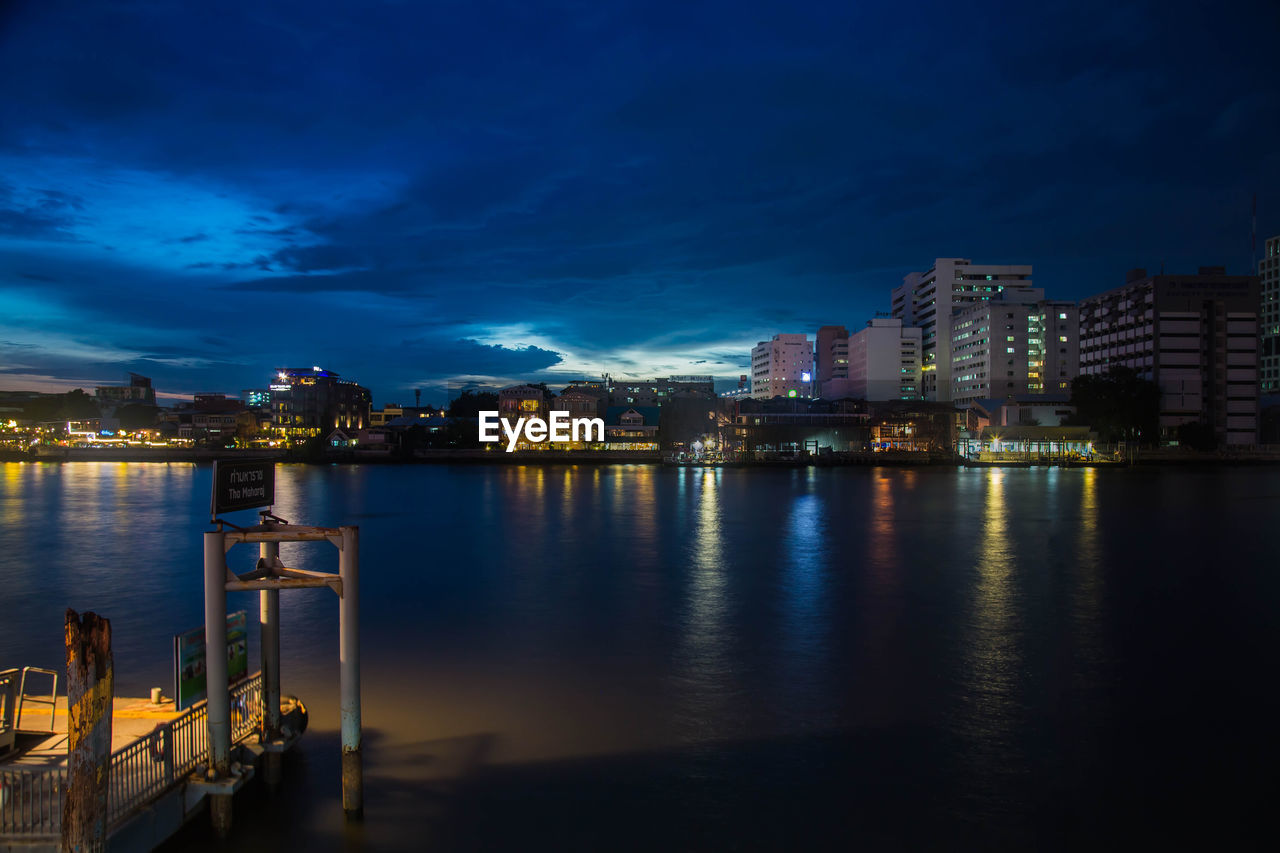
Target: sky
pixel 426 195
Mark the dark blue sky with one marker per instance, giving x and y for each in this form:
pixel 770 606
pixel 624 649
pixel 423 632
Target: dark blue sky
pixel 413 193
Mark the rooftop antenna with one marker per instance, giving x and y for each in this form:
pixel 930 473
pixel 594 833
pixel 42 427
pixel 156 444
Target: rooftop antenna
pixel 417 398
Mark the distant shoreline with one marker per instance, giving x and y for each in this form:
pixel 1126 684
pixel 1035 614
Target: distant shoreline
pixel 1146 459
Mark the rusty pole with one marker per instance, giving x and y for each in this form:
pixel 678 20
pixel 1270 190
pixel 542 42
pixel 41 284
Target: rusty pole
pixel 349 674
pixel 90 689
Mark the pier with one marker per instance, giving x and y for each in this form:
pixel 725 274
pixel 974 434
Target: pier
pixel 159 758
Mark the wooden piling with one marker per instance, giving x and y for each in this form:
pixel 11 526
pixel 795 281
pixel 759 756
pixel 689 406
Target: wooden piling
pixel 90 690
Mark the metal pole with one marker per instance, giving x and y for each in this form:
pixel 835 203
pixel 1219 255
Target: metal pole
pixel 349 674
pixel 269 628
pixel 218 703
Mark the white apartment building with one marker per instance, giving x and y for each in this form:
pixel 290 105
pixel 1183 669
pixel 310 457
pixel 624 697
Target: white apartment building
pixel 930 299
pixel 782 367
pixel 884 363
pixel 1018 344
pixel 1195 336
pixel 1269 273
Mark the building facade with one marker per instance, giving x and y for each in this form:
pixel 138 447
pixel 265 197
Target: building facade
pixel 307 401
pixel 930 299
pixel 655 392
pixel 782 367
pixel 884 363
pixel 138 391
pixel 1269 274
pixel 1195 336
pixel 1017 344
pixel 830 356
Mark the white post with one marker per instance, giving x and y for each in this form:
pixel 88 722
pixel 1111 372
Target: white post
pixel 349 674
pixel 218 703
pixel 269 635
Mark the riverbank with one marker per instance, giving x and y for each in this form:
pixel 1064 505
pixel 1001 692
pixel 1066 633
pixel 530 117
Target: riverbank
pixel 1163 456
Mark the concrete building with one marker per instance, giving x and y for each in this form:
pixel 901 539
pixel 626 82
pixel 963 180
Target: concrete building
pixel 831 356
pixel 138 391
pixel 1269 273
pixel 791 425
pixel 1195 336
pixel 655 392
pixel 1019 343
pixel 884 363
pixel 307 401
pixel 782 367
pixel 929 299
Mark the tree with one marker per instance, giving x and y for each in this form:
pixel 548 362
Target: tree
pixel 1119 405
pixel 137 416
pixel 470 404
pixel 1197 436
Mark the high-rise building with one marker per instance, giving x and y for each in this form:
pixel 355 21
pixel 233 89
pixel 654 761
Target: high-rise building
pixel 782 367
pixel 308 401
pixel 930 299
pixel 1269 273
pixel 884 363
pixel 1017 344
pixel 1195 336
pixel 831 355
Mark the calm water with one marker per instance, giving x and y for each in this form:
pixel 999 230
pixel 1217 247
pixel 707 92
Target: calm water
pixel 642 658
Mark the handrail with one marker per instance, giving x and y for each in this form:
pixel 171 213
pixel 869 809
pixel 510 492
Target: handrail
pixel 52 701
pixel 31 797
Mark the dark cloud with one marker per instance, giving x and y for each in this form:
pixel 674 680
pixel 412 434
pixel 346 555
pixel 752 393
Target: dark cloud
pixel 638 177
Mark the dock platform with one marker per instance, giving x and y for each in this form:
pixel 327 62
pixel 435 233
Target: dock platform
pixel 155 779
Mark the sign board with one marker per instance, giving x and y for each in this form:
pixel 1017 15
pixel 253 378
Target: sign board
pixel 189 659
pixel 242 485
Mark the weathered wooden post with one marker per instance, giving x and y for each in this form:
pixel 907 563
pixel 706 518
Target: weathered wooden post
pixel 90 690
pixel 349 674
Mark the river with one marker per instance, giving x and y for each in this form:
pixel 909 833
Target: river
pixel 638 657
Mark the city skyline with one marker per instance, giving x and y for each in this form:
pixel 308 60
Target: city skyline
pixel 418 197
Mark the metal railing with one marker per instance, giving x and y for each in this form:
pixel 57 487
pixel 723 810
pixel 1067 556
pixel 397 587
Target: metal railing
pixel 31 797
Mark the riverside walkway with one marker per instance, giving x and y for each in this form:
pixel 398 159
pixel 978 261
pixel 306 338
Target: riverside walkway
pixel 154 781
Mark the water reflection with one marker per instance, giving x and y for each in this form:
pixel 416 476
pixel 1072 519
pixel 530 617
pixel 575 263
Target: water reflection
pixel 803 593
pixel 992 652
pixel 705 672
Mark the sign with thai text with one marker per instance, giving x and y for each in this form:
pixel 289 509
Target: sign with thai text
pixel 242 485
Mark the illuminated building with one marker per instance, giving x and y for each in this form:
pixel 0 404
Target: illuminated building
pixel 307 401
pixel 1195 336
pixel 789 425
pixel 782 367
pixel 1014 344
pixel 1269 273
pixel 631 428
pixel 929 299
pixel 655 392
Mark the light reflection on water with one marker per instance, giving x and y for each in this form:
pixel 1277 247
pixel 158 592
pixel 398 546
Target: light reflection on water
pixel 974 622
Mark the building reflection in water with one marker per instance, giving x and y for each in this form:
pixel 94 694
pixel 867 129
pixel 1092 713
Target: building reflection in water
pixel 704 672
pixel 804 562
pixel 992 654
